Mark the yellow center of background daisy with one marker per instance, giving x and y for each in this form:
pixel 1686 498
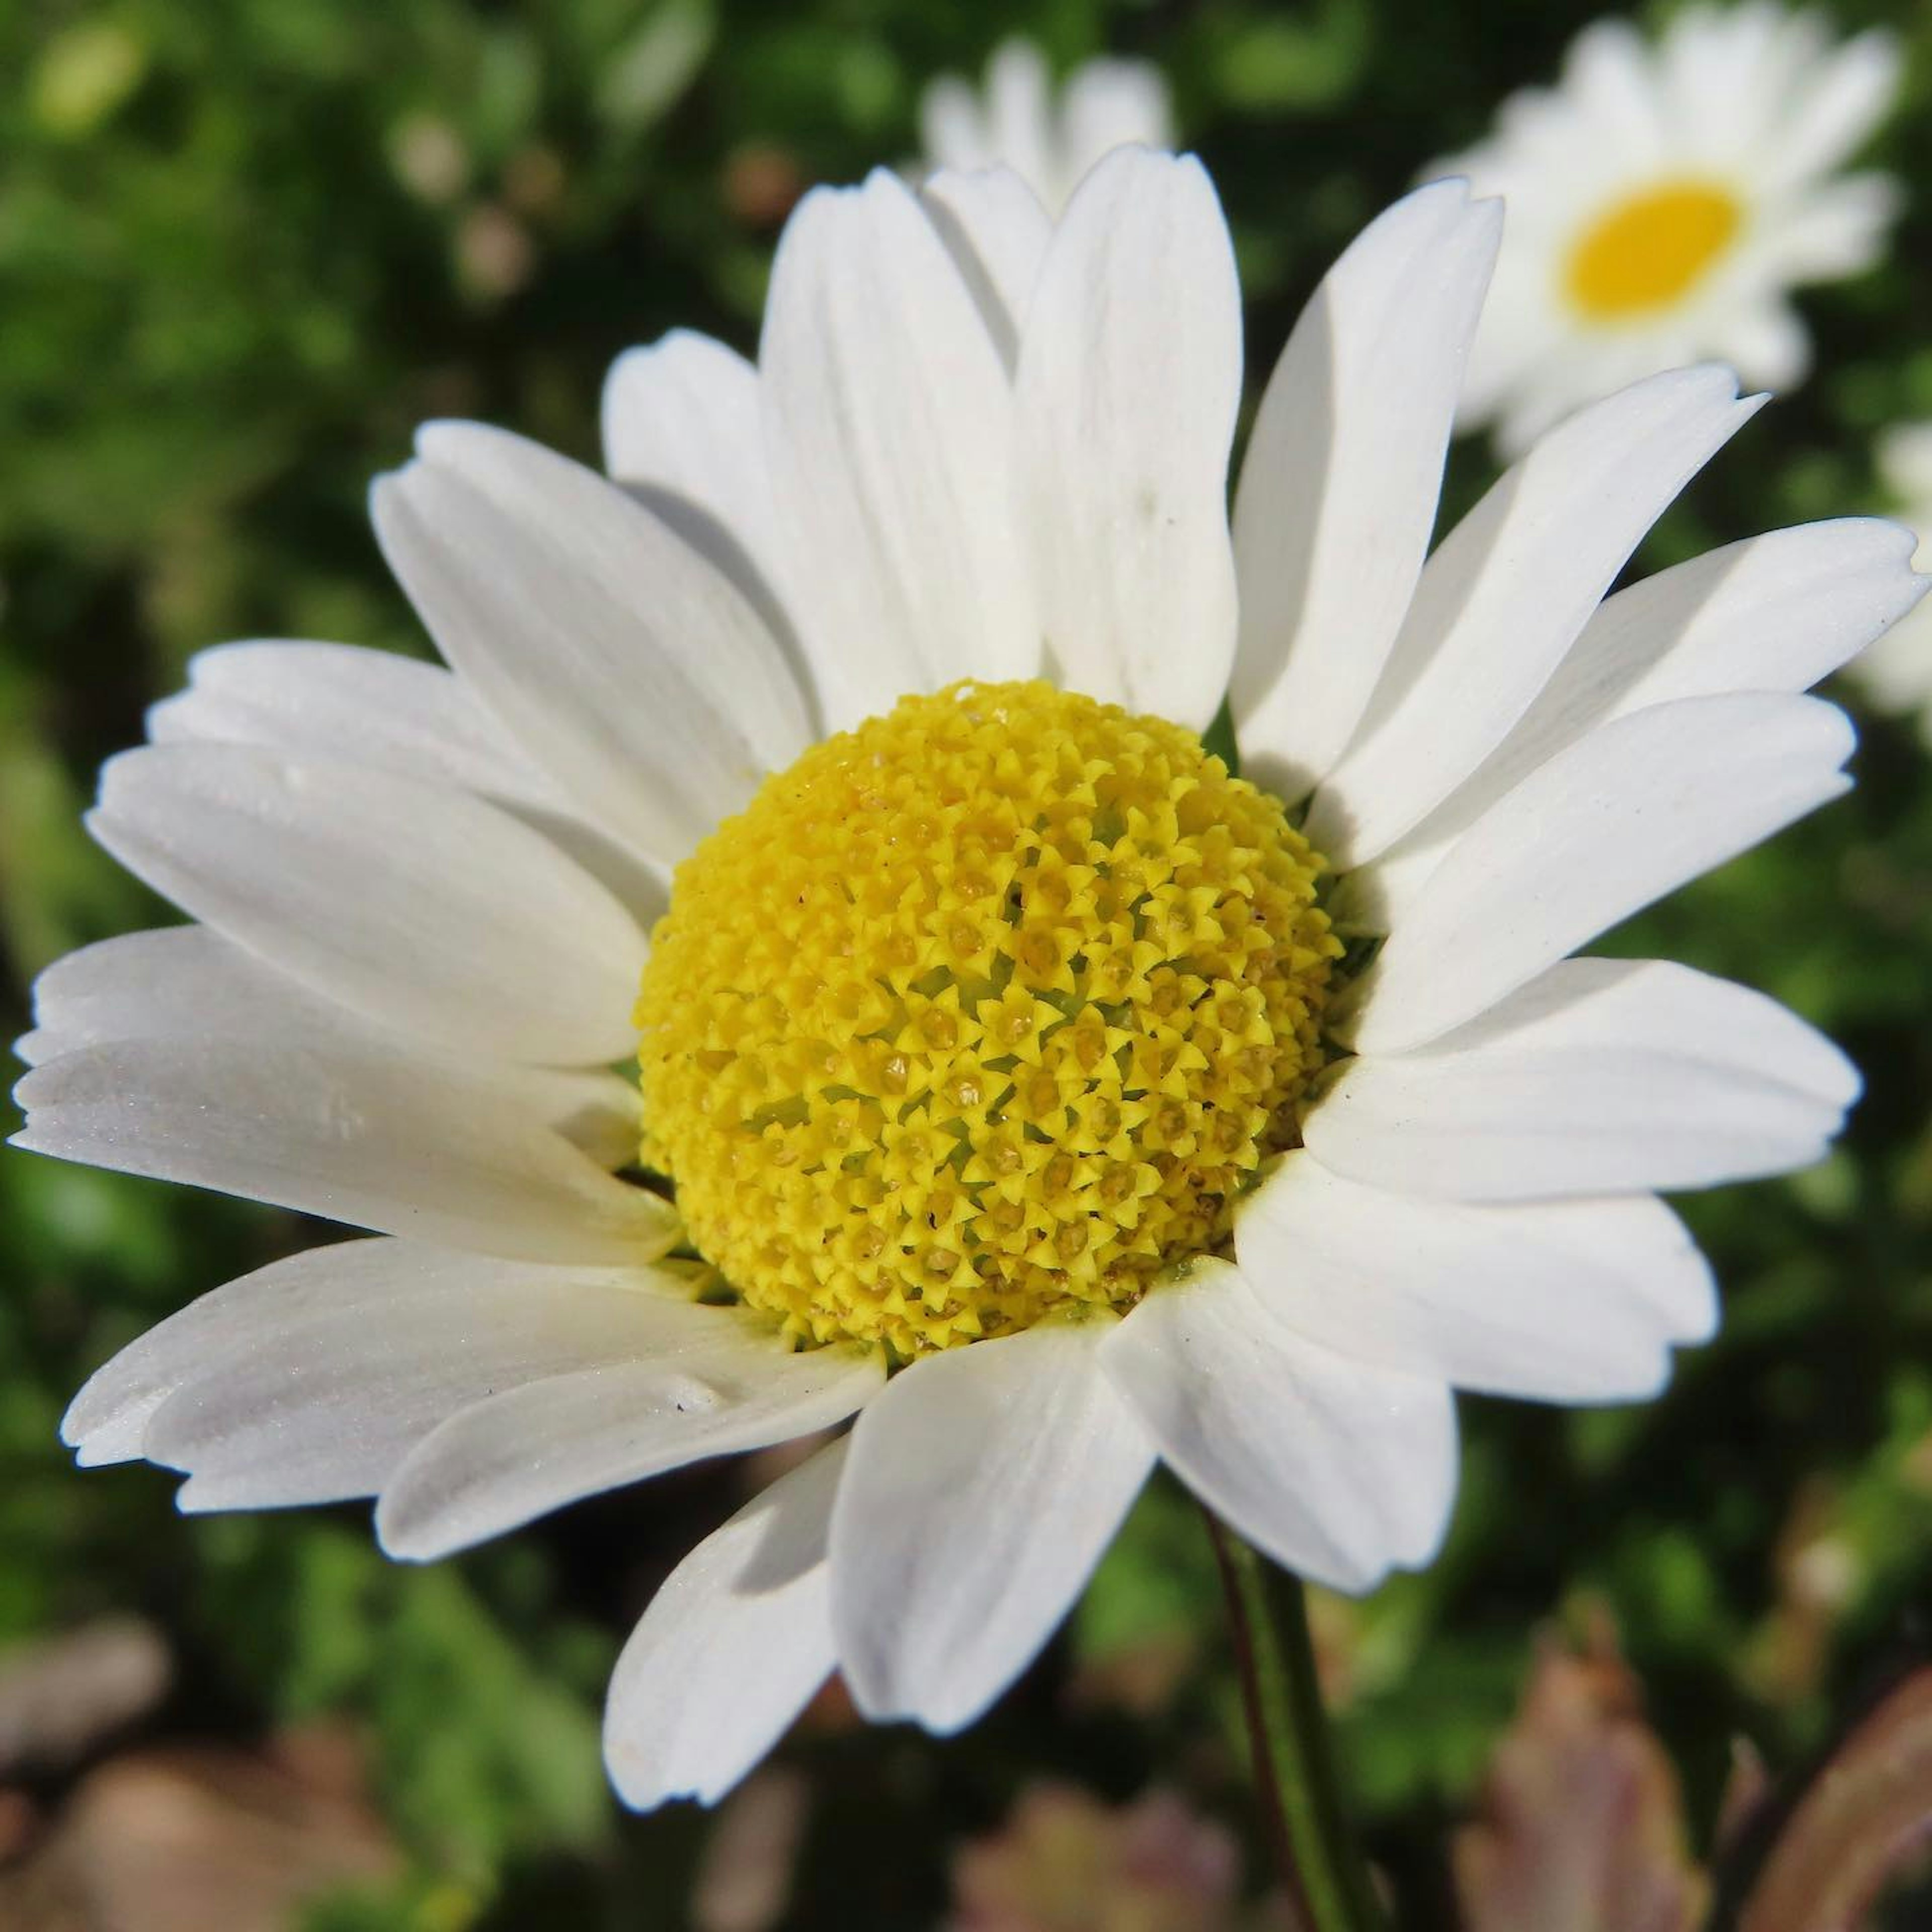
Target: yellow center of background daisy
pixel 979 1013
pixel 1647 250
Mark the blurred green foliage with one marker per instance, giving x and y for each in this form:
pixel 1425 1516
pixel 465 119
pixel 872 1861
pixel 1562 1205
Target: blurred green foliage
pixel 245 246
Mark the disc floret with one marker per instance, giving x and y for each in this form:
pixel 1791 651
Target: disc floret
pixel 979 1013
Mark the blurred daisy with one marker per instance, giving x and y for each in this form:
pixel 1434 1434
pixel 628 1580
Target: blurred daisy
pixel 1897 673
pixel 1663 200
pixel 1014 121
pixel 1014 1078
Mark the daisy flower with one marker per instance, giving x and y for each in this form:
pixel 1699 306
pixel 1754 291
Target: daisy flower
pixel 1897 673
pixel 1663 201
pixel 1015 1079
pixel 1015 121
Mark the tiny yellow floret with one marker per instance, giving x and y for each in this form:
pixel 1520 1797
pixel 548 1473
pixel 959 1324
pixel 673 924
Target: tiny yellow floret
pixel 980 1012
pixel 1648 251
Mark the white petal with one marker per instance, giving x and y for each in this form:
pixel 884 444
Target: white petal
pixel 311 1380
pixel 683 416
pixel 360 1133
pixel 888 428
pixel 953 129
pixel 395 714
pixel 1848 95
pixel 180 981
pixel 1506 594
pixel 1602 1076
pixel 997 233
pixel 1339 487
pixel 623 661
pixel 1338 1471
pixel 731 1649
pixel 1108 104
pixel 1774 612
pixel 297 1322
pixel 684 433
pixel 1628 813
pixel 186 982
pixel 1573 1301
pixel 982 1486
pixel 520 1454
pixel 1767 343
pixel 1019 118
pixel 350 706
pixel 1129 376
pixel 426 909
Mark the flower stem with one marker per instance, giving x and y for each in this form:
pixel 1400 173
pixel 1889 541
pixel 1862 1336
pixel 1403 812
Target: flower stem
pixel 1288 1732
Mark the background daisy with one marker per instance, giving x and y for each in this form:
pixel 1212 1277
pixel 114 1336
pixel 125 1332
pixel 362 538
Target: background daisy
pixel 1049 134
pixel 1664 198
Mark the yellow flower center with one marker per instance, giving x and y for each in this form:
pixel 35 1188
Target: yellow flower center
pixel 981 1012
pixel 1646 251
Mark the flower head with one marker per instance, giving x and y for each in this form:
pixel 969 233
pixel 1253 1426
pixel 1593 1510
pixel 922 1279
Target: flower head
pixel 1015 121
pixel 1663 200
pixel 1015 1077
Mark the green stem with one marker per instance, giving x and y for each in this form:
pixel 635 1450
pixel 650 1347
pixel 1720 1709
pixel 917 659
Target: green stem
pixel 1288 1730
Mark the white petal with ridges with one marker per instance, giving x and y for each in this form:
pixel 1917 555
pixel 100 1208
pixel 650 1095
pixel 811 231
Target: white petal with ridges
pixel 1628 813
pixel 731 1649
pixel 299 1315
pixel 1507 592
pixel 1773 612
pixel 1600 1077
pixel 361 1133
pixel 311 1383
pixel 186 982
pixel 982 1485
pixel 628 666
pixel 998 234
pixel 889 430
pixel 1338 1471
pixel 1129 377
pixel 1339 487
pixel 682 414
pixel 520 1455
pixel 349 706
pixel 426 909
pixel 1576 1301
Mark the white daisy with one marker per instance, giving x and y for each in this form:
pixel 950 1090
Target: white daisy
pixel 1664 199
pixel 1015 121
pixel 1004 1055
pixel 1897 672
